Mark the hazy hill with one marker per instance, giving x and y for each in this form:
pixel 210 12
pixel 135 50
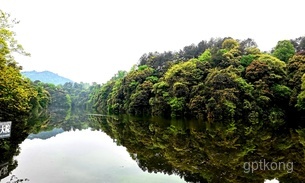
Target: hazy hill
pixel 46 77
pixel 46 134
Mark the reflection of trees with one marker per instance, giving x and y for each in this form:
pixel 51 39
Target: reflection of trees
pixel 68 120
pixel 60 120
pixel 15 179
pixel 76 119
pixel 211 153
pixel 22 126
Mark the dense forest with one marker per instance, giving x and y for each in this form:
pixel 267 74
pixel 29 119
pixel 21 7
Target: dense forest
pixel 219 79
pixel 68 96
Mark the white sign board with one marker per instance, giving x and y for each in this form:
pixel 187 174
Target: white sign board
pixel 5 129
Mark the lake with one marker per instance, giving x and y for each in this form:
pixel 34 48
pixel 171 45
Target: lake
pixel 90 148
pixel 80 156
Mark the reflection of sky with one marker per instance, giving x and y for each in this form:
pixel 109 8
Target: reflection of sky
pixel 271 181
pixel 80 156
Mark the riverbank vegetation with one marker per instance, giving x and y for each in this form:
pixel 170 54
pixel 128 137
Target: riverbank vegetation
pixel 219 79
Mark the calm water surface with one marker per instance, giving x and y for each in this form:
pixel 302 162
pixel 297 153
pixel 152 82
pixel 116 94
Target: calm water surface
pixel 80 156
pixel 82 148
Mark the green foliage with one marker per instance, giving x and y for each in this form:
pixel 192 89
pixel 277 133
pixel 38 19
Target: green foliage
pixel 284 50
pixel 205 56
pixel 17 94
pixel 277 116
pixel 230 44
pixel 8 43
pixel 273 62
pixel 247 59
pixel 152 79
pixel 301 97
pixel 119 75
pixel 180 89
pixel 252 51
pixel 160 86
pixel 281 90
pixel 159 103
pixel 133 84
pixel 200 152
pixel 295 71
pixel 177 106
pixel 230 80
pixel 69 101
pixel 232 48
pixel 139 104
pixel 182 69
pixel 267 68
pixel 230 108
pixel 142 67
pixel 244 86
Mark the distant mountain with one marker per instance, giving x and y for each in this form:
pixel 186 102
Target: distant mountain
pixel 46 77
pixel 46 134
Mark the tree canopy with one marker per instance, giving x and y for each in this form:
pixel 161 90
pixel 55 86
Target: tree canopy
pixel 223 78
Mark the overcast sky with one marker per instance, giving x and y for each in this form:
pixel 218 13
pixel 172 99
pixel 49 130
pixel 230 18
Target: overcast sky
pixel 91 40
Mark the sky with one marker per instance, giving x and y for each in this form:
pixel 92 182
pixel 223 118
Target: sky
pixel 89 41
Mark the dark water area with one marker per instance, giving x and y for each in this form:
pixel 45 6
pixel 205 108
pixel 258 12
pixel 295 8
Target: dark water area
pixel 74 146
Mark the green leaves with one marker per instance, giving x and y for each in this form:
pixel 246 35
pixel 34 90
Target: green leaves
pixel 284 50
pixel 247 59
pixel 231 79
pixel 281 90
pixel 177 106
pixel 205 56
pixel 301 97
pixel 8 43
pixel 180 89
pixel 17 94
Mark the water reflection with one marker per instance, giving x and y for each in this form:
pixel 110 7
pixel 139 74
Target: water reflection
pixel 22 126
pixel 68 147
pixel 215 152
pixel 49 123
pixel 194 150
pixel 60 120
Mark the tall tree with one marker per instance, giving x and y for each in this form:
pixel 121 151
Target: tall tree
pixel 284 50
